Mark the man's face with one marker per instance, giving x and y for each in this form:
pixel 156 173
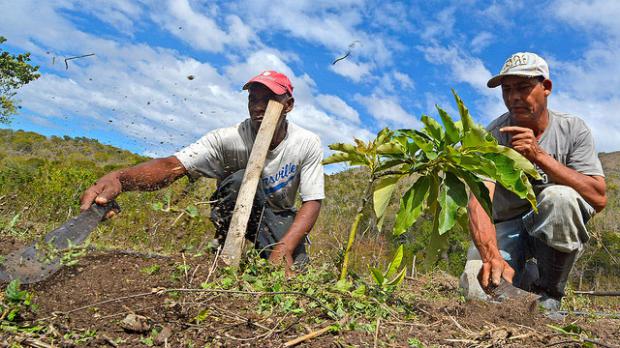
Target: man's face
pixel 259 98
pixel 525 97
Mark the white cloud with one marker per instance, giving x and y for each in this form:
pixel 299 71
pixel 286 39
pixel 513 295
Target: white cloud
pixel 338 107
pixel 405 81
pixel 201 30
pixel 589 85
pixel 481 41
pixel 351 70
pixel 387 111
pixel 464 68
pixel 589 15
pixel 144 91
pixel 441 25
pixel 119 14
pixel 501 13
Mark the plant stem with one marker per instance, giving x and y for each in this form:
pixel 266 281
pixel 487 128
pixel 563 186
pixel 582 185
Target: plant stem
pixel 353 230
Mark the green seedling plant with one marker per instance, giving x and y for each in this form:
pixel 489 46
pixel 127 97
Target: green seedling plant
pixel 150 270
pixel 72 254
pixel 370 155
pixel 446 161
pixel 390 279
pixel 14 302
pixel 166 206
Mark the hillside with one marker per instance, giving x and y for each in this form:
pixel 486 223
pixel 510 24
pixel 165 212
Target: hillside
pixel 160 242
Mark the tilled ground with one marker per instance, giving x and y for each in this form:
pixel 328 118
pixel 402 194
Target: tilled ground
pixel 124 299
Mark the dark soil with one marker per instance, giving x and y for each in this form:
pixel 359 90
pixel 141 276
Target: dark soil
pixel 105 287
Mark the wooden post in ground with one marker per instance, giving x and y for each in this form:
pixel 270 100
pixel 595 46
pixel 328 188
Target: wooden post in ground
pixel 233 247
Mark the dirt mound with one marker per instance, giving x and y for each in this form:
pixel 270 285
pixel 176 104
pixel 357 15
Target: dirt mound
pixel 124 299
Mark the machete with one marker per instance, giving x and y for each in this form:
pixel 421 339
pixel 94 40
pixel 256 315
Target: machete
pixel 41 259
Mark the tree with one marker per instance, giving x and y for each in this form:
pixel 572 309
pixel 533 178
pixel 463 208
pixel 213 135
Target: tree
pixel 15 71
pixel 446 161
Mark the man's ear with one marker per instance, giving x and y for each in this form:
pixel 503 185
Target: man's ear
pixel 288 105
pixel 548 86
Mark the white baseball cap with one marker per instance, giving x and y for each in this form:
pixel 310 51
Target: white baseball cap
pixel 521 64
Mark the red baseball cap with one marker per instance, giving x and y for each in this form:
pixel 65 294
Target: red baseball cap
pixel 277 82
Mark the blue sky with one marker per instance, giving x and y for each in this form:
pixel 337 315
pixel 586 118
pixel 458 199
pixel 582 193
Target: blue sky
pixel 406 56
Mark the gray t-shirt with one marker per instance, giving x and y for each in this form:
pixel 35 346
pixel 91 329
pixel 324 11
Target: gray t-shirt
pixel 567 139
pixel 294 164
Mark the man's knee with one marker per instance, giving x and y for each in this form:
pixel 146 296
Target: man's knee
pixel 558 197
pixel 233 181
pixel 561 218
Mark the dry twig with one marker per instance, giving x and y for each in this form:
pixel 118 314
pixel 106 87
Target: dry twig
pixel 309 336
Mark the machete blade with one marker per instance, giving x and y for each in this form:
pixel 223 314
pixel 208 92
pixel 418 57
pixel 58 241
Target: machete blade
pixel 38 261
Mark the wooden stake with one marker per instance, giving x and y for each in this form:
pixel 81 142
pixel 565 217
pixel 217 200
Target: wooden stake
pixel 233 247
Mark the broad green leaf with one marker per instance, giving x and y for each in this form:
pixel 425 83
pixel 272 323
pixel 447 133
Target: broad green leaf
pixel 520 161
pixel 395 263
pixel 411 205
pixel 477 137
pixel 353 159
pixel 389 148
pixel 452 132
pixel 462 217
pixel 433 128
pixel 377 276
pixel 405 137
pixel 381 196
pixel 426 146
pixel 478 189
pixel 452 196
pixel 389 164
pixel 438 242
pixel 398 279
pixel 478 164
pixel 513 180
pixel 342 147
pixel 466 119
pixel 383 136
pixel 361 147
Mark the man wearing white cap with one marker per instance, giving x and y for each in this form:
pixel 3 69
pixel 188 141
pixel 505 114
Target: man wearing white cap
pixel 293 164
pixel 571 191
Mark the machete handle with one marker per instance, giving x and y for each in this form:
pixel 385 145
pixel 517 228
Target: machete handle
pixel 102 210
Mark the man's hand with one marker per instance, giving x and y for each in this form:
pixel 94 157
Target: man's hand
pixel 103 191
pixel 493 271
pixel 281 254
pixel 524 142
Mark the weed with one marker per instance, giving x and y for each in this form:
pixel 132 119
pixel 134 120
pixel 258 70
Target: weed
pixel 150 270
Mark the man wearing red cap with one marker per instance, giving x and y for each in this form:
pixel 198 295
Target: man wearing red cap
pixel 293 164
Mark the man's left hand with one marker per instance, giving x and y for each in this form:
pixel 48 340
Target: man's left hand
pixel 281 254
pixel 524 142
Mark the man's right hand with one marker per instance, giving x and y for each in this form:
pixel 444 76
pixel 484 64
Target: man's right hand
pixel 493 271
pixel 107 188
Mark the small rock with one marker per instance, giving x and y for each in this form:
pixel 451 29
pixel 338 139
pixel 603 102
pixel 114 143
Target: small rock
pixel 163 335
pixel 135 323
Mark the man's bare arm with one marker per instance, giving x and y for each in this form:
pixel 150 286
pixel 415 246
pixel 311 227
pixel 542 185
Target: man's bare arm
pixel 303 223
pixel 147 176
pixel 483 234
pixel 591 188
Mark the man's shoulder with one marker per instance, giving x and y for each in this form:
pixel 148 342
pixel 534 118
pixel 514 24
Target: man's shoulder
pixel 496 124
pixel 231 132
pixel 302 134
pixel 566 118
